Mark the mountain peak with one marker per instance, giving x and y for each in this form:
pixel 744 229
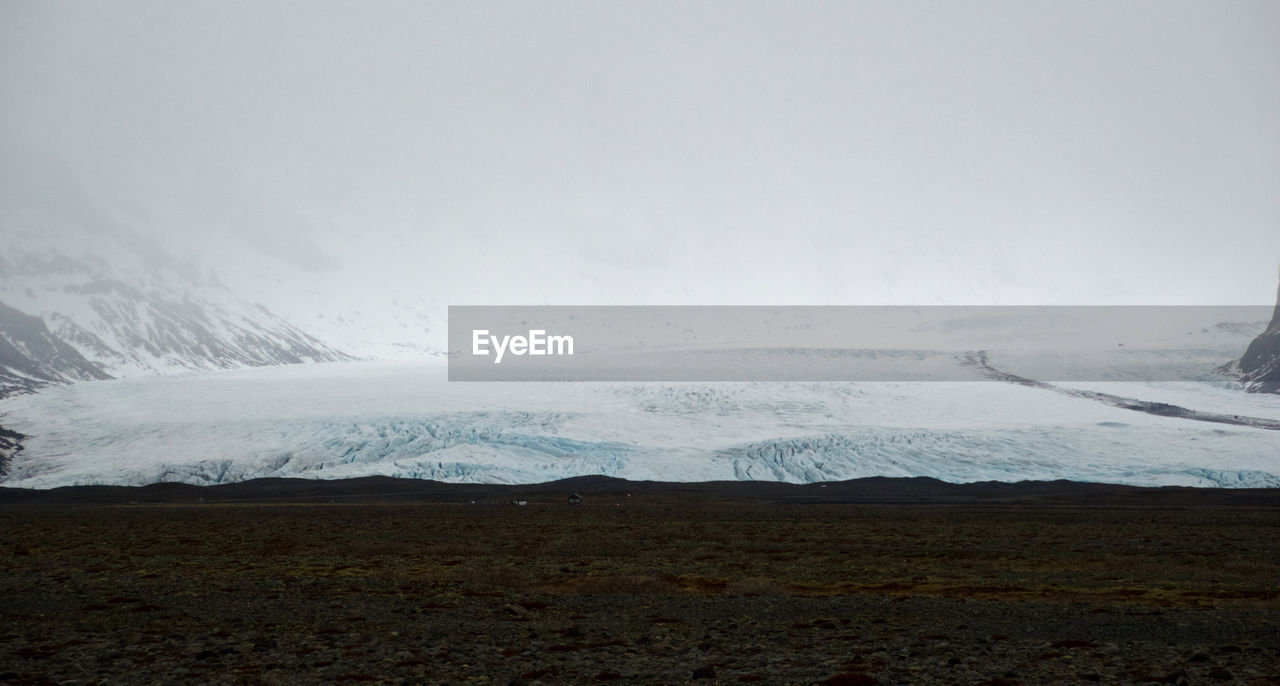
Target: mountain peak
pixel 1275 316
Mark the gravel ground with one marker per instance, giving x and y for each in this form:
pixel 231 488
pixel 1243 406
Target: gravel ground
pixel 659 591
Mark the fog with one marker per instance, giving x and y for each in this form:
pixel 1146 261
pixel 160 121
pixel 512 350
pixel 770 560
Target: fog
pixel 674 152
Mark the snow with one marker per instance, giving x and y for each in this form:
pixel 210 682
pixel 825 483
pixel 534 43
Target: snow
pixel 128 306
pixel 405 419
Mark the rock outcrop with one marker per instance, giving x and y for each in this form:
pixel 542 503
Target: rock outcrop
pixel 1260 366
pixel 10 445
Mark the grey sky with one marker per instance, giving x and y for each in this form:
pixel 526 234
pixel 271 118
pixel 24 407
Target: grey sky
pixel 683 152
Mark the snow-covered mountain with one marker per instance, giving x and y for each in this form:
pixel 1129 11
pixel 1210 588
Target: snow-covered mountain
pixel 87 296
pixel 31 357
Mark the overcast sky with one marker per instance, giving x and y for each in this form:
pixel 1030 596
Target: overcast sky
pixel 681 152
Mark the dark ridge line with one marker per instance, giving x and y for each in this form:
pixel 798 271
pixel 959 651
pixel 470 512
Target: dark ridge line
pixel 979 360
pixel 602 490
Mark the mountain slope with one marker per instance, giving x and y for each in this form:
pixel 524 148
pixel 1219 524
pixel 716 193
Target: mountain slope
pixel 110 302
pixel 32 357
pixel 1260 365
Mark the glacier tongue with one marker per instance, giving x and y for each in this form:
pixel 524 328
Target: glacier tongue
pixel 407 420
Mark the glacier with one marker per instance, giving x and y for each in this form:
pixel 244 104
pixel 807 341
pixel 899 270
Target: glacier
pixel 405 419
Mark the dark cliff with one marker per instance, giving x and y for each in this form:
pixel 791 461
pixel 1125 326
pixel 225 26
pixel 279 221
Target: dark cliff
pixel 1260 366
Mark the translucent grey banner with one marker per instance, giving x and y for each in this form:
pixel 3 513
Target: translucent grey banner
pixel 853 343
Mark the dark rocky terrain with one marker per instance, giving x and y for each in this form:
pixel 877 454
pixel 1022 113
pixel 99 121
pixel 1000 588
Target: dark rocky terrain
pixel 865 582
pixel 872 490
pixel 1260 365
pixel 10 445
